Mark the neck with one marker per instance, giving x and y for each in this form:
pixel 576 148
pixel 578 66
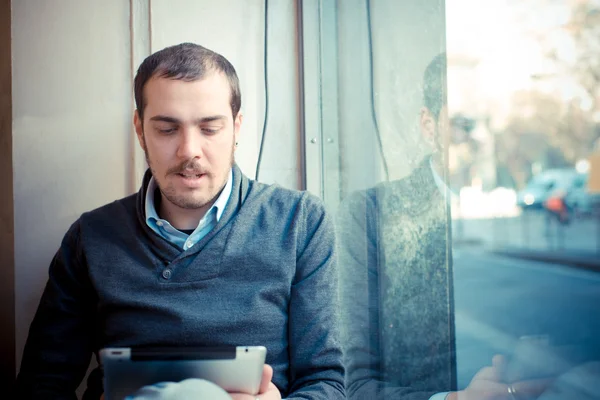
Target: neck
pixel 182 218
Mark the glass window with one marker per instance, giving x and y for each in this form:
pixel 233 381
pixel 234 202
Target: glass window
pixel 456 144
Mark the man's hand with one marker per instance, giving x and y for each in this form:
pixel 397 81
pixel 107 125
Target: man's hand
pixel 267 390
pixel 488 384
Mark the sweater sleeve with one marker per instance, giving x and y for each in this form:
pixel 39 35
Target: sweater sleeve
pixel 357 229
pixel 316 370
pixel 59 346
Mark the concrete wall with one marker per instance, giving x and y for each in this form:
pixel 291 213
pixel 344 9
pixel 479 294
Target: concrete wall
pixel 71 128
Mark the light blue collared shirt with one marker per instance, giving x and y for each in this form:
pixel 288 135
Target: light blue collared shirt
pixel 439 182
pixel 164 228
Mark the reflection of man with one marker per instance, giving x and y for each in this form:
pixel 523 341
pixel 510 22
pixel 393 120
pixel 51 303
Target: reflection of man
pixel 396 275
pixel 200 256
pixel 396 278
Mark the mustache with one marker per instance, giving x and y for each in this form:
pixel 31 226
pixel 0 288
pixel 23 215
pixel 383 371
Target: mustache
pixel 190 166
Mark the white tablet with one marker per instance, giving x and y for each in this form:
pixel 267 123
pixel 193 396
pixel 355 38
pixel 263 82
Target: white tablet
pixel 235 369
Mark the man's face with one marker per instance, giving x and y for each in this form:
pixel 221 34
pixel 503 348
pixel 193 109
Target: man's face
pixel 188 134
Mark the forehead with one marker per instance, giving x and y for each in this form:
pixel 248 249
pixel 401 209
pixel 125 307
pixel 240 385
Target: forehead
pixel 209 95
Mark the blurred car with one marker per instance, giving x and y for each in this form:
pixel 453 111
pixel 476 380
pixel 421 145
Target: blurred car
pixel 543 185
pixel 578 200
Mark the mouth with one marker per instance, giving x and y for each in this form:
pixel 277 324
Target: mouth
pixel 187 175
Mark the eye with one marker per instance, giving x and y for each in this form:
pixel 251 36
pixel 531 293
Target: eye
pixel 167 131
pixel 210 131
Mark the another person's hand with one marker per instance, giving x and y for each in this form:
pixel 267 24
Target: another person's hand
pixel 267 390
pixel 488 384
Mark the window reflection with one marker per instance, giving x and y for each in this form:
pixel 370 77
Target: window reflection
pixel 472 264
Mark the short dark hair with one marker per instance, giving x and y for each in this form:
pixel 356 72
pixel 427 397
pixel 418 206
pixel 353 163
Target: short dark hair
pixel 435 85
pixel 188 62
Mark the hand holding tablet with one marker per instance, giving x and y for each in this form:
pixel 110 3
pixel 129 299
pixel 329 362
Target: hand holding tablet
pixel 237 370
pixel 267 391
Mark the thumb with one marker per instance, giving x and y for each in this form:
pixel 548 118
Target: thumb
pixel 267 375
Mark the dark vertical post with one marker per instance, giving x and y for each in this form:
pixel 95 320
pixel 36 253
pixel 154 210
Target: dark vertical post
pixel 7 256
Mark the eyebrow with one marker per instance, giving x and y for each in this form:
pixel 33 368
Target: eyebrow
pixel 172 120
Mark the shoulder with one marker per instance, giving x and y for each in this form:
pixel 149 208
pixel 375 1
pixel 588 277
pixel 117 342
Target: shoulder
pixel 110 216
pixel 283 199
pixel 369 199
pixel 367 206
pixel 116 212
pixel 301 212
pixel 360 201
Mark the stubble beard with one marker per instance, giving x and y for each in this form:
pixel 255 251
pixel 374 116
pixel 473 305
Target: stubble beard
pixel 188 201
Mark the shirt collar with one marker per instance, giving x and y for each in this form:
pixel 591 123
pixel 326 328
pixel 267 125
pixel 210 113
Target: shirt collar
pixel 223 198
pixel 219 204
pixel 439 182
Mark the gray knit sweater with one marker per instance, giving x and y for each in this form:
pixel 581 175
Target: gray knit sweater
pixel 265 275
pixel 397 290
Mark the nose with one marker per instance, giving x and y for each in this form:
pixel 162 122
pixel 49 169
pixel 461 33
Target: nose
pixel 190 144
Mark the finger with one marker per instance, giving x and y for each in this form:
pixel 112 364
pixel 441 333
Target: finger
pixel 500 364
pixel 485 374
pixel 497 360
pixel 534 387
pixel 240 396
pixel 267 375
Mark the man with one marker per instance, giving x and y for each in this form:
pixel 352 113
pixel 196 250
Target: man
pixel 396 279
pixel 200 256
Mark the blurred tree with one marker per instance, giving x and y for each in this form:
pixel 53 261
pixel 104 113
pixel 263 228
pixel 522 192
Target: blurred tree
pixel 555 121
pixel 538 131
pixel 582 65
pixel 584 29
pixel 545 128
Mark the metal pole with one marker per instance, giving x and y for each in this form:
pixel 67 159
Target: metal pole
pixel 548 228
pixel 597 214
pixel 525 229
pixel 560 235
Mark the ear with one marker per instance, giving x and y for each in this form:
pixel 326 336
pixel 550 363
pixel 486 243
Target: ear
pixel 237 125
pixel 139 129
pixel 427 125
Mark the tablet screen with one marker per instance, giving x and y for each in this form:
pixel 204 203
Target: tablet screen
pixel 233 368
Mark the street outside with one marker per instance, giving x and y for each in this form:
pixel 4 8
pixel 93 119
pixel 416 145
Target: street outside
pixel 499 299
